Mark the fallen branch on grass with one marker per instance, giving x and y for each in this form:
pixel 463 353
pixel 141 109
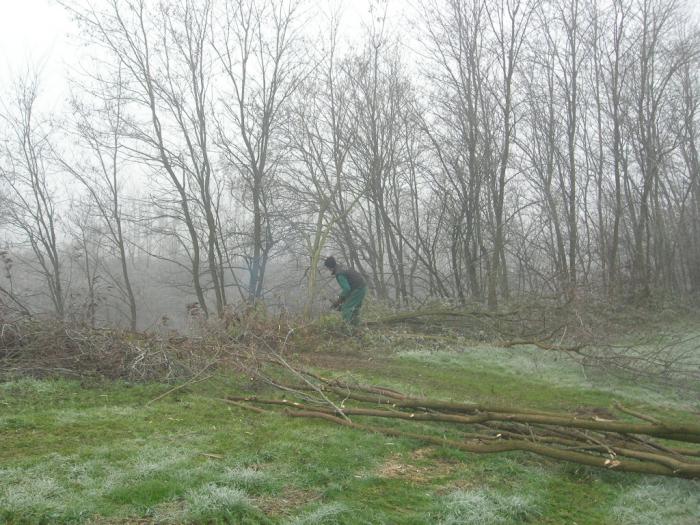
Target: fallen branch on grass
pixel 645 463
pixel 658 359
pixel 194 379
pixel 613 444
pixel 496 324
pixel 543 345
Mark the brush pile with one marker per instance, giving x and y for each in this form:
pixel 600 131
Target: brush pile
pixel 40 348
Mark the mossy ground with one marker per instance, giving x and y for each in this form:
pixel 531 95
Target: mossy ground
pixel 98 453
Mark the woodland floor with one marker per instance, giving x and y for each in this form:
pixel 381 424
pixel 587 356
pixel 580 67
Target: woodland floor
pixel 97 452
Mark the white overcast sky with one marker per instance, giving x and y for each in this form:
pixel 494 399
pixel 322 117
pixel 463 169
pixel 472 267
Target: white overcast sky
pixel 35 34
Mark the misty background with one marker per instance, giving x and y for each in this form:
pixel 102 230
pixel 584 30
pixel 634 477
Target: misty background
pixel 164 162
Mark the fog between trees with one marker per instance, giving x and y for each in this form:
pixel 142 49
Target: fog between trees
pixel 214 151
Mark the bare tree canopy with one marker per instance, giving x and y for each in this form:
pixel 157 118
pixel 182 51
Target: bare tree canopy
pixel 214 150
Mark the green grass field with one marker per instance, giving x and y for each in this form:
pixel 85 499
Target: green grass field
pixel 98 453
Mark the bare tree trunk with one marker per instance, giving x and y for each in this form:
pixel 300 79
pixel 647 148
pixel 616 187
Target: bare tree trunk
pixel 509 21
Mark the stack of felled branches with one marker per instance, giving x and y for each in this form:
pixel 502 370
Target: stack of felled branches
pixel 34 348
pixel 641 444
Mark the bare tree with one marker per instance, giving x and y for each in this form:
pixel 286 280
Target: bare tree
pixel 455 43
pixel 256 46
pixel 86 253
pixel 689 138
pixel 509 20
pixel 161 55
pixel 27 171
pixel 658 60
pixel 321 132
pixel 98 169
pixel 382 97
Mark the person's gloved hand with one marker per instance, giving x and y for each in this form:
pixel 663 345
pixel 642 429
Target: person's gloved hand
pixel 336 304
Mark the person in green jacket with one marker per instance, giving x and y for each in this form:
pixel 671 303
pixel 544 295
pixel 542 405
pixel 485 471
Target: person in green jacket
pixel 353 291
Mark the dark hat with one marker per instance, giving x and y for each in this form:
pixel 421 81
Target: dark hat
pixel 330 262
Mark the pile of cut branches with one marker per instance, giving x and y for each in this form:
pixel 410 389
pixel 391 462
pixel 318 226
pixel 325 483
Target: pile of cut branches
pixel 43 348
pixel 641 443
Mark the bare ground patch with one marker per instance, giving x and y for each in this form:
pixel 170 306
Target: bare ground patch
pixel 286 502
pixel 396 467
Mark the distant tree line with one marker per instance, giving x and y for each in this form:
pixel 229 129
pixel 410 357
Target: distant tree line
pixel 499 149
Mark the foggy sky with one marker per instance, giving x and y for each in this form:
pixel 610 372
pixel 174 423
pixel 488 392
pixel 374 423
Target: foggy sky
pixel 39 35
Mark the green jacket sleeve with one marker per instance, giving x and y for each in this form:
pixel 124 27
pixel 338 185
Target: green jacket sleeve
pixel 344 284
